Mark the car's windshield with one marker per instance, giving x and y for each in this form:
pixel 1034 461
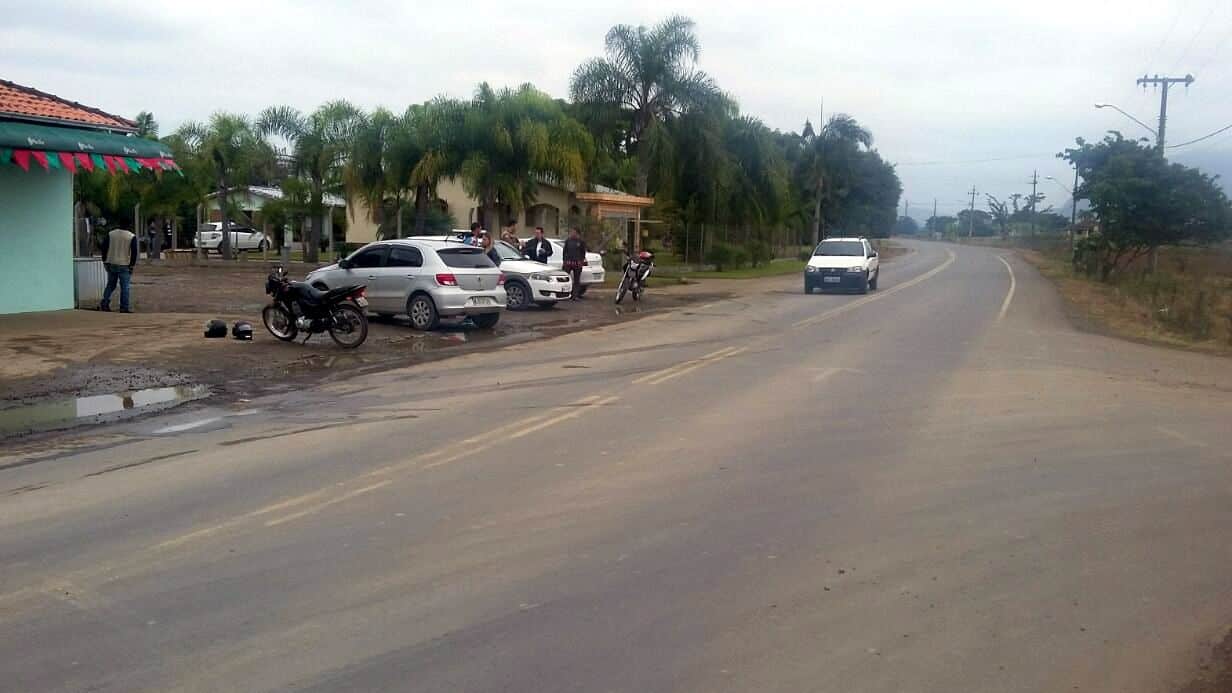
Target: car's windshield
pixel 465 257
pixel 506 252
pixel 852 248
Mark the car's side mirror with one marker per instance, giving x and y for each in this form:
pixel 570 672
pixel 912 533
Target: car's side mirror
pixel 345 264
pixel 873 254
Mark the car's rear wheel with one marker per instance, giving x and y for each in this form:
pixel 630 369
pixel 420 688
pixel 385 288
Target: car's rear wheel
pixel 486 321
pixel 422 312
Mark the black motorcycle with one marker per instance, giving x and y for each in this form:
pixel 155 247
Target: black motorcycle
pixel 298 306
pixel 634 275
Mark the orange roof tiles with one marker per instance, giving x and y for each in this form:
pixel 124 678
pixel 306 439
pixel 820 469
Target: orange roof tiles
pixel 24 102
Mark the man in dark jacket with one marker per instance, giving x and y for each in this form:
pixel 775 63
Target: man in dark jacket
pixel 574 259
pixel 538 248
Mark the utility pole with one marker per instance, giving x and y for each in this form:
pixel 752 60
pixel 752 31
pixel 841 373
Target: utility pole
pixel 971 215
pixel 934 215
pixel 1034 184
pixel 1166 83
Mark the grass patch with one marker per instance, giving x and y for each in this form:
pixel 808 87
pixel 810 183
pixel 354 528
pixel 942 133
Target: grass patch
pixel 1187 302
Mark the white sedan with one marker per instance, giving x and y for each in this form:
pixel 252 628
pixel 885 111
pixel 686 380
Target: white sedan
pixel 592 271
pixel 209 237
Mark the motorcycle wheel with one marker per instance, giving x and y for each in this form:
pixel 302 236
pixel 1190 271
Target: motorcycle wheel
pixel 348 326
pixel 622 289
pixel 279 323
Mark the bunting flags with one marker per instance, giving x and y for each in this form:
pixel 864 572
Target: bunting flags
pixel 73 161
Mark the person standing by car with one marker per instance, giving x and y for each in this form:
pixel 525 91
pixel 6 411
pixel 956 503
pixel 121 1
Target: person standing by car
pixel 573 256
pixel 509 233
pixel 119 256
pixel 538 248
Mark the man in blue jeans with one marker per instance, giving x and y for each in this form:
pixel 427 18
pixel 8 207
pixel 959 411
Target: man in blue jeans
pixel 119 257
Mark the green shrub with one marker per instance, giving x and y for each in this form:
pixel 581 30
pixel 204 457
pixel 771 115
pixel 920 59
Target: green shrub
pixel 725 256
pixel 760 253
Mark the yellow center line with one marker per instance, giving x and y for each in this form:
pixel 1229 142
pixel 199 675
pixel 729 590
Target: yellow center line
pixel 879 295
pixel 321 506
pixel 696 365
pixel 683 364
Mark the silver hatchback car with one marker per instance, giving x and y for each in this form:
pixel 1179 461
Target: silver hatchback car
pixel 424 279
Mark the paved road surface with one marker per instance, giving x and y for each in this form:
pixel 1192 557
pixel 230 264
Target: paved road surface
pixel 936 487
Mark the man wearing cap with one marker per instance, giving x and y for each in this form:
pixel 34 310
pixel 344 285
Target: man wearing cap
pixel 119 257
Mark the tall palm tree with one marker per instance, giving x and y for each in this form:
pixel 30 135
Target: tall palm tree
pixel 650 74
pixel 236 151
pixel 320 143
pixel 512 139
pixel 823 152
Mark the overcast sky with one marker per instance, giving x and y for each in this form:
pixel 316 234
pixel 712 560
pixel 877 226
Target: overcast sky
pixel 949 82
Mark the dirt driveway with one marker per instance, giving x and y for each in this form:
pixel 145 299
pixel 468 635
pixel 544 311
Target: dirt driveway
pixel 81 353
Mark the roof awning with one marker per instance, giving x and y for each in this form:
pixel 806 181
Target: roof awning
pixel 56 147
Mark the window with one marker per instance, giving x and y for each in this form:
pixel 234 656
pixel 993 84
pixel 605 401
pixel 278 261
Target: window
pixel 404 256
pixel 506 252
pixel 467 257
pixel 842 248
pixel 369 257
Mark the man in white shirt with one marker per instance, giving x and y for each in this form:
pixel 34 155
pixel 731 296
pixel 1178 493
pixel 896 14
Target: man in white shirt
pixel 119 257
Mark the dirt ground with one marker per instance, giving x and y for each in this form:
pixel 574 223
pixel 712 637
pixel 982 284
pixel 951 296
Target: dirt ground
pixel 84 353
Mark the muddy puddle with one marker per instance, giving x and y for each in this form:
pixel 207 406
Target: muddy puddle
pixel 70 411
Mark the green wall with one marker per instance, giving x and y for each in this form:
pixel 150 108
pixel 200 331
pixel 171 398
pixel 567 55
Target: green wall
pixel 36 239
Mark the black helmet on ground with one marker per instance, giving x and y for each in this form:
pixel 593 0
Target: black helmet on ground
pixel 242 330
pixel 215 329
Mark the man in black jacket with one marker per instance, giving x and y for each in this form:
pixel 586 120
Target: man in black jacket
pixel 574 259
pixel 538 248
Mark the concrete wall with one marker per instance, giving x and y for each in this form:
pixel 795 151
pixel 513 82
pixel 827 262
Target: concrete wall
pixel 360 227
pixel 36 240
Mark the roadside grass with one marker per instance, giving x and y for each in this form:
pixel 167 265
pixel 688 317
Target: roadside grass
pixel 1186 302
pixel 774 268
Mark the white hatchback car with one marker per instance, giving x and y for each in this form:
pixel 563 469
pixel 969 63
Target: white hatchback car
pixel 592 271
pixel 842 263
pixel 528 281
pixel 425 279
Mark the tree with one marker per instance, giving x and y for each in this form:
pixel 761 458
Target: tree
pixel 826 153
pixel 939 224
pixel 977 223
pixel 509 140
pixel 906 226
pixel 319 144
pixel 1000 214
pixel 1142 202
pixel 147 127
pixel 235 151
pixel 650 75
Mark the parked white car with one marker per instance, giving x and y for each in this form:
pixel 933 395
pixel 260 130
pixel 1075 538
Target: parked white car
pixel 843 263
pixel 592 272
pixel 425 279
pixel 209 237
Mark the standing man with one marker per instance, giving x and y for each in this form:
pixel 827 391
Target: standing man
pixel 119 256
pixel 538 248
pixel 509 234
pixel 573 258
pixel 476 229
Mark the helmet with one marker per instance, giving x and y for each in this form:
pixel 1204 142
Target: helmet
pixel 645 256
pixel 215 329
pixel 242 330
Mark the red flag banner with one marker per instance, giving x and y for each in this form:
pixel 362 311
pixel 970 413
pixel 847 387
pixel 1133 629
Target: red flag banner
pixel 84 159
pixel 22 157
pixel 121 164
pixel 66 160
pixel 40 157
pixel 111 163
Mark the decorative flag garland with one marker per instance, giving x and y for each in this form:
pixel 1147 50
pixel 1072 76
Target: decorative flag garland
pixel 72 161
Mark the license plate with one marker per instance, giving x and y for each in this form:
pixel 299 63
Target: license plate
pixel 361 302
pixel 831 280
pixel 596 275
pixel 482 301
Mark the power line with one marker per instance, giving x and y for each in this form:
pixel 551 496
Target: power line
pixel 1171 27
pixel 1204 137
pixel 1201 28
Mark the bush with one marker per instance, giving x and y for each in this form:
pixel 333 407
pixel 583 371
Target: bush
pixel 725 256
pixel 760 253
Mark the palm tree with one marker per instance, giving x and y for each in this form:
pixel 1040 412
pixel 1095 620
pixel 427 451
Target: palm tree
pixel 236 151
pixel 319 142
pixel 147 127
pixel 651 75
pixel 510 140
pixel 823 151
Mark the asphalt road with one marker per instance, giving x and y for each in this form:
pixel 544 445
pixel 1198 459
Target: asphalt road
pixel 939 486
